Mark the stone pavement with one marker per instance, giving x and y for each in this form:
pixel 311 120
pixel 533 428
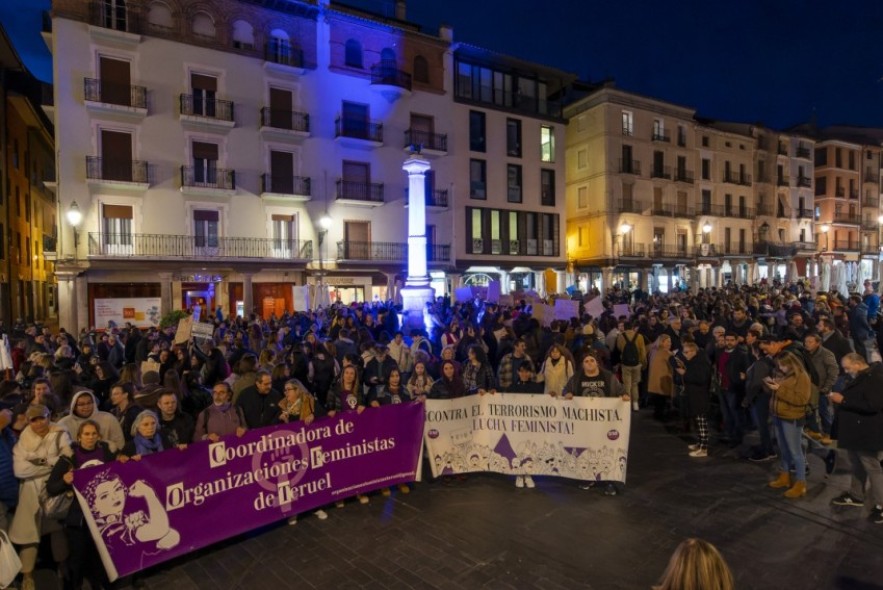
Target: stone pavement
pixel 485 533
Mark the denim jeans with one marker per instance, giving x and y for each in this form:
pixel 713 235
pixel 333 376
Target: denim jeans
pixel 826 413
pixel 760 410
pixel 731 408
pixel 790 435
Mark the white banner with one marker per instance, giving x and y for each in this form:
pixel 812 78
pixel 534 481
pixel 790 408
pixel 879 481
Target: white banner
pixel 585 438
pixel 143 312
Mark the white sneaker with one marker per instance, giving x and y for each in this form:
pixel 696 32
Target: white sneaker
pixel 519 482
pixel 292 520
pixel 321 514
pixel 693 447
pixel 699 453
pixel 636 406
pixel 528 482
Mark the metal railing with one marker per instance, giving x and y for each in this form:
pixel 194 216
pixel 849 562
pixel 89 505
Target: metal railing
pixel 390 76
pixel 668 252
pixel 767 248
pixel 843 217
pixel 684 176
pixel 288 120
pixel 126 95
pixel 396 251
pixel 734 177
pixel 284 54
pixel 782 149
pixel 845 245
pixel 783 181
pixel 661 172
pixel 210 108
pixel 801 245
pixel 871 176
pixel 630 206
pixel 434 198
pixel 805 214
pixel 870 224
pixel 765 209
pixel 358 129
pixel 661 136
pixel 426 140
pixel 360 191
pixel 632 251
pixel 630 167
pixel 840 191
pixel 105 169
pixel 804 181
pixel 286 185
pixel 868 201
pixel 707 250
pixel 803 152
pixel 173 246
pixel 211 178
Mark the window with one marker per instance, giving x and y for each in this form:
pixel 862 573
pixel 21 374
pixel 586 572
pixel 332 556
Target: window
pixel 279 48
pixel 281 173
pixel 582 197
pixel 205 90
pixel 283 235
pixel 581 159
pixel 821 185
pixel 116 225
pixel 205 228
pixel 159 16
pixel 513 138
pixel 547 143
pixel 682 136
pixel 477 142
pixel 28 207
pixel 113 14
pixel 475 241
pixel 706 202
pixel 2 243
pixel 658 129
pixel 628 165
pixel 15 160
pixel 243 35
pixel 628 123
pixel 851 160
pixel 353 54
pixel 838 157
pixel 513 183
pixel 477 179
pixel 821 158
pixel 421 70
pixel 205 163
pixel 547 187
pixel 705 141
pixel 203 25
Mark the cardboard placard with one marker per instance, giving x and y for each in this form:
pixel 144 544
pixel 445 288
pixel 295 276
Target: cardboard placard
pixel 185 327
pixel 543 313
pixel 494 289
pixel 566 309
pixel 202 330
pixel 149 366
pixel 594 307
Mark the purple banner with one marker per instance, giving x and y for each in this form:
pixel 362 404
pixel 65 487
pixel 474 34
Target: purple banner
pixel 145 512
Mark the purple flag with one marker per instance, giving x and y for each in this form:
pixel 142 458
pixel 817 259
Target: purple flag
pixel 145 512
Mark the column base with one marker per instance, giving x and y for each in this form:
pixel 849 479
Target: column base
pixel 414 300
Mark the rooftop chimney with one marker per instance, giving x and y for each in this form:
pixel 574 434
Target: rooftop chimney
pixel 400 9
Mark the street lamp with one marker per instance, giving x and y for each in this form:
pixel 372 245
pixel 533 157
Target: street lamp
pixel 825 229
pixel 624 228
pixel 325 223
pixel 75 218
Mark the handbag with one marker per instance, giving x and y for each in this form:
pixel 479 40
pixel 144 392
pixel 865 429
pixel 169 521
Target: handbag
pixel 55 507
pixel 10 564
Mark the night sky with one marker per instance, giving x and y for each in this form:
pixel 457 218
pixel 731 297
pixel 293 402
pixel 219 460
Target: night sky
pixel 775 62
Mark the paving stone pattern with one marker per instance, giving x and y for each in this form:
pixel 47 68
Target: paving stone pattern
pixel 485 533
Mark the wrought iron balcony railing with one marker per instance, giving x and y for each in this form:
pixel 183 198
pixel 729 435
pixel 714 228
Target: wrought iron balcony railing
pixel 286 185
pixel 126 95
pixel 208 177
pixel 425 140
pixel 210 108
pixel 125 245
pixel 630 167
pixel 390 76
pixel 358 129
pixel 108 169
pixel 284 54
pixel 360 191
pixel 288 120
pixel 392 251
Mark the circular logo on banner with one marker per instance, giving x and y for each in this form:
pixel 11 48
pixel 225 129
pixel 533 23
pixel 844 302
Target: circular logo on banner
pixel 612 434
pixel 433 433
pixel 286 466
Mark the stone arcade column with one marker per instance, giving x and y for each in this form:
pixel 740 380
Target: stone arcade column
pixel 416 293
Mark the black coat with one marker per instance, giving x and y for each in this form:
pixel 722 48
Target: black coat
pixel 697 383
pixel 860 416
pixel 837 344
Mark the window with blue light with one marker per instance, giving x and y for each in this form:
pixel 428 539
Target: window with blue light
pixel 353 54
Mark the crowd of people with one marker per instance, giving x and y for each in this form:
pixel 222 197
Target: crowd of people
pixel 800 368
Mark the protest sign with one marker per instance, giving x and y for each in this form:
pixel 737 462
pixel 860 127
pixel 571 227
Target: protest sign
pixel 494 289
pixel 141 513
pixel 621 309
pixel 505 300
pixel 463 294
pixel 594 307
pixel 584 438
pixel 202 331
pixel 185 327
pixel 543 313
pixel 566 309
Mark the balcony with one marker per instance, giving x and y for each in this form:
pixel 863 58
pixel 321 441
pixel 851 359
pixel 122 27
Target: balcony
pixel 358 132
pixel 736 250
pixel 742 213
pixel 627 130
pixel 630 206
pixel 435 199
pixel 424 142
pixel 840 192
pixel 783 181
pixel 713 210
pixel 656 252
pixel 682 140
pixel 684 176
pixel 845 245
pixel 871 176
pixel 368 194
pixel 870 248
pixel 114 22
pixel 762 178
pixel 285 124
pixel 773 250
pixel 661 172
pixel 390 82
pixel 113 173
pixel 291 189
pixel 873 202
pixel 765 209
pixel 208 181
pixel 199 112
pixel 853 193
pixel 122 99
pixel 733 177
pixel 669 210
pixel 804 246
pixel 870 224
pixel 389 251
pixel 805 214
pixel 630 167
pixel 661 136
pixel 684 212
pixel 804 181
pixel 782 149
pixel 283 59
pixel 632 251
pixel 851 218
pixel 50 243
pixel 707 250
pixel 804 152
pixel 784 212
pixel 172 247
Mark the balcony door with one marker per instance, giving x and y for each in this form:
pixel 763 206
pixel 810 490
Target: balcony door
pixel 283 236
pixel 355 120
pixel 205 91
pixel 281 106
pixel 356 181
pixel 116 230
pixel 116 155
pixel 357 240
pixel 282 172
pixel 422 130
pixel 205 164
pixel 206 232
pixel 115 78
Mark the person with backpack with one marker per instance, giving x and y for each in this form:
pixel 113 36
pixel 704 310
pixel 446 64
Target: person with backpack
pixel 222 418
pixel 632 359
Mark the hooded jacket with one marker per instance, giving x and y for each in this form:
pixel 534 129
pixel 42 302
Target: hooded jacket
pixel 108 425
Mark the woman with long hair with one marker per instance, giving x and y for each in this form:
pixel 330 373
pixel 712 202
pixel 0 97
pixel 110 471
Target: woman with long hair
pixel 791 393
pixel 419 383
pixel 346 395
pixel 478 376
pixel 449 385
pixel 556 371
pixel 696 565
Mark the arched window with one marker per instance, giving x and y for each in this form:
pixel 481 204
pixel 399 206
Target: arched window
pixel 243 35
pixel 353 54
pixel 279 47
pixel 421 69
pixel 159 15
pixel 388 58
pixel 203 25
pixel 114 15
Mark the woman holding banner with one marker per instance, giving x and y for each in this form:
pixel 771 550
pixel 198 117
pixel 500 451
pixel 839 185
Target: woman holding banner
pixel 420 382
pixel 84 561
pixel 478 376
pixel 449 385
pixel 346 395
pixel 146 438
pixel 393 392
pixel 556 370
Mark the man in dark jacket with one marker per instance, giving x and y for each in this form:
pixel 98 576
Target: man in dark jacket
pixel 732 366
pixel 260 402
pixel 833 340
pixel 860 431
pixel 8 483
pixel 859 328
